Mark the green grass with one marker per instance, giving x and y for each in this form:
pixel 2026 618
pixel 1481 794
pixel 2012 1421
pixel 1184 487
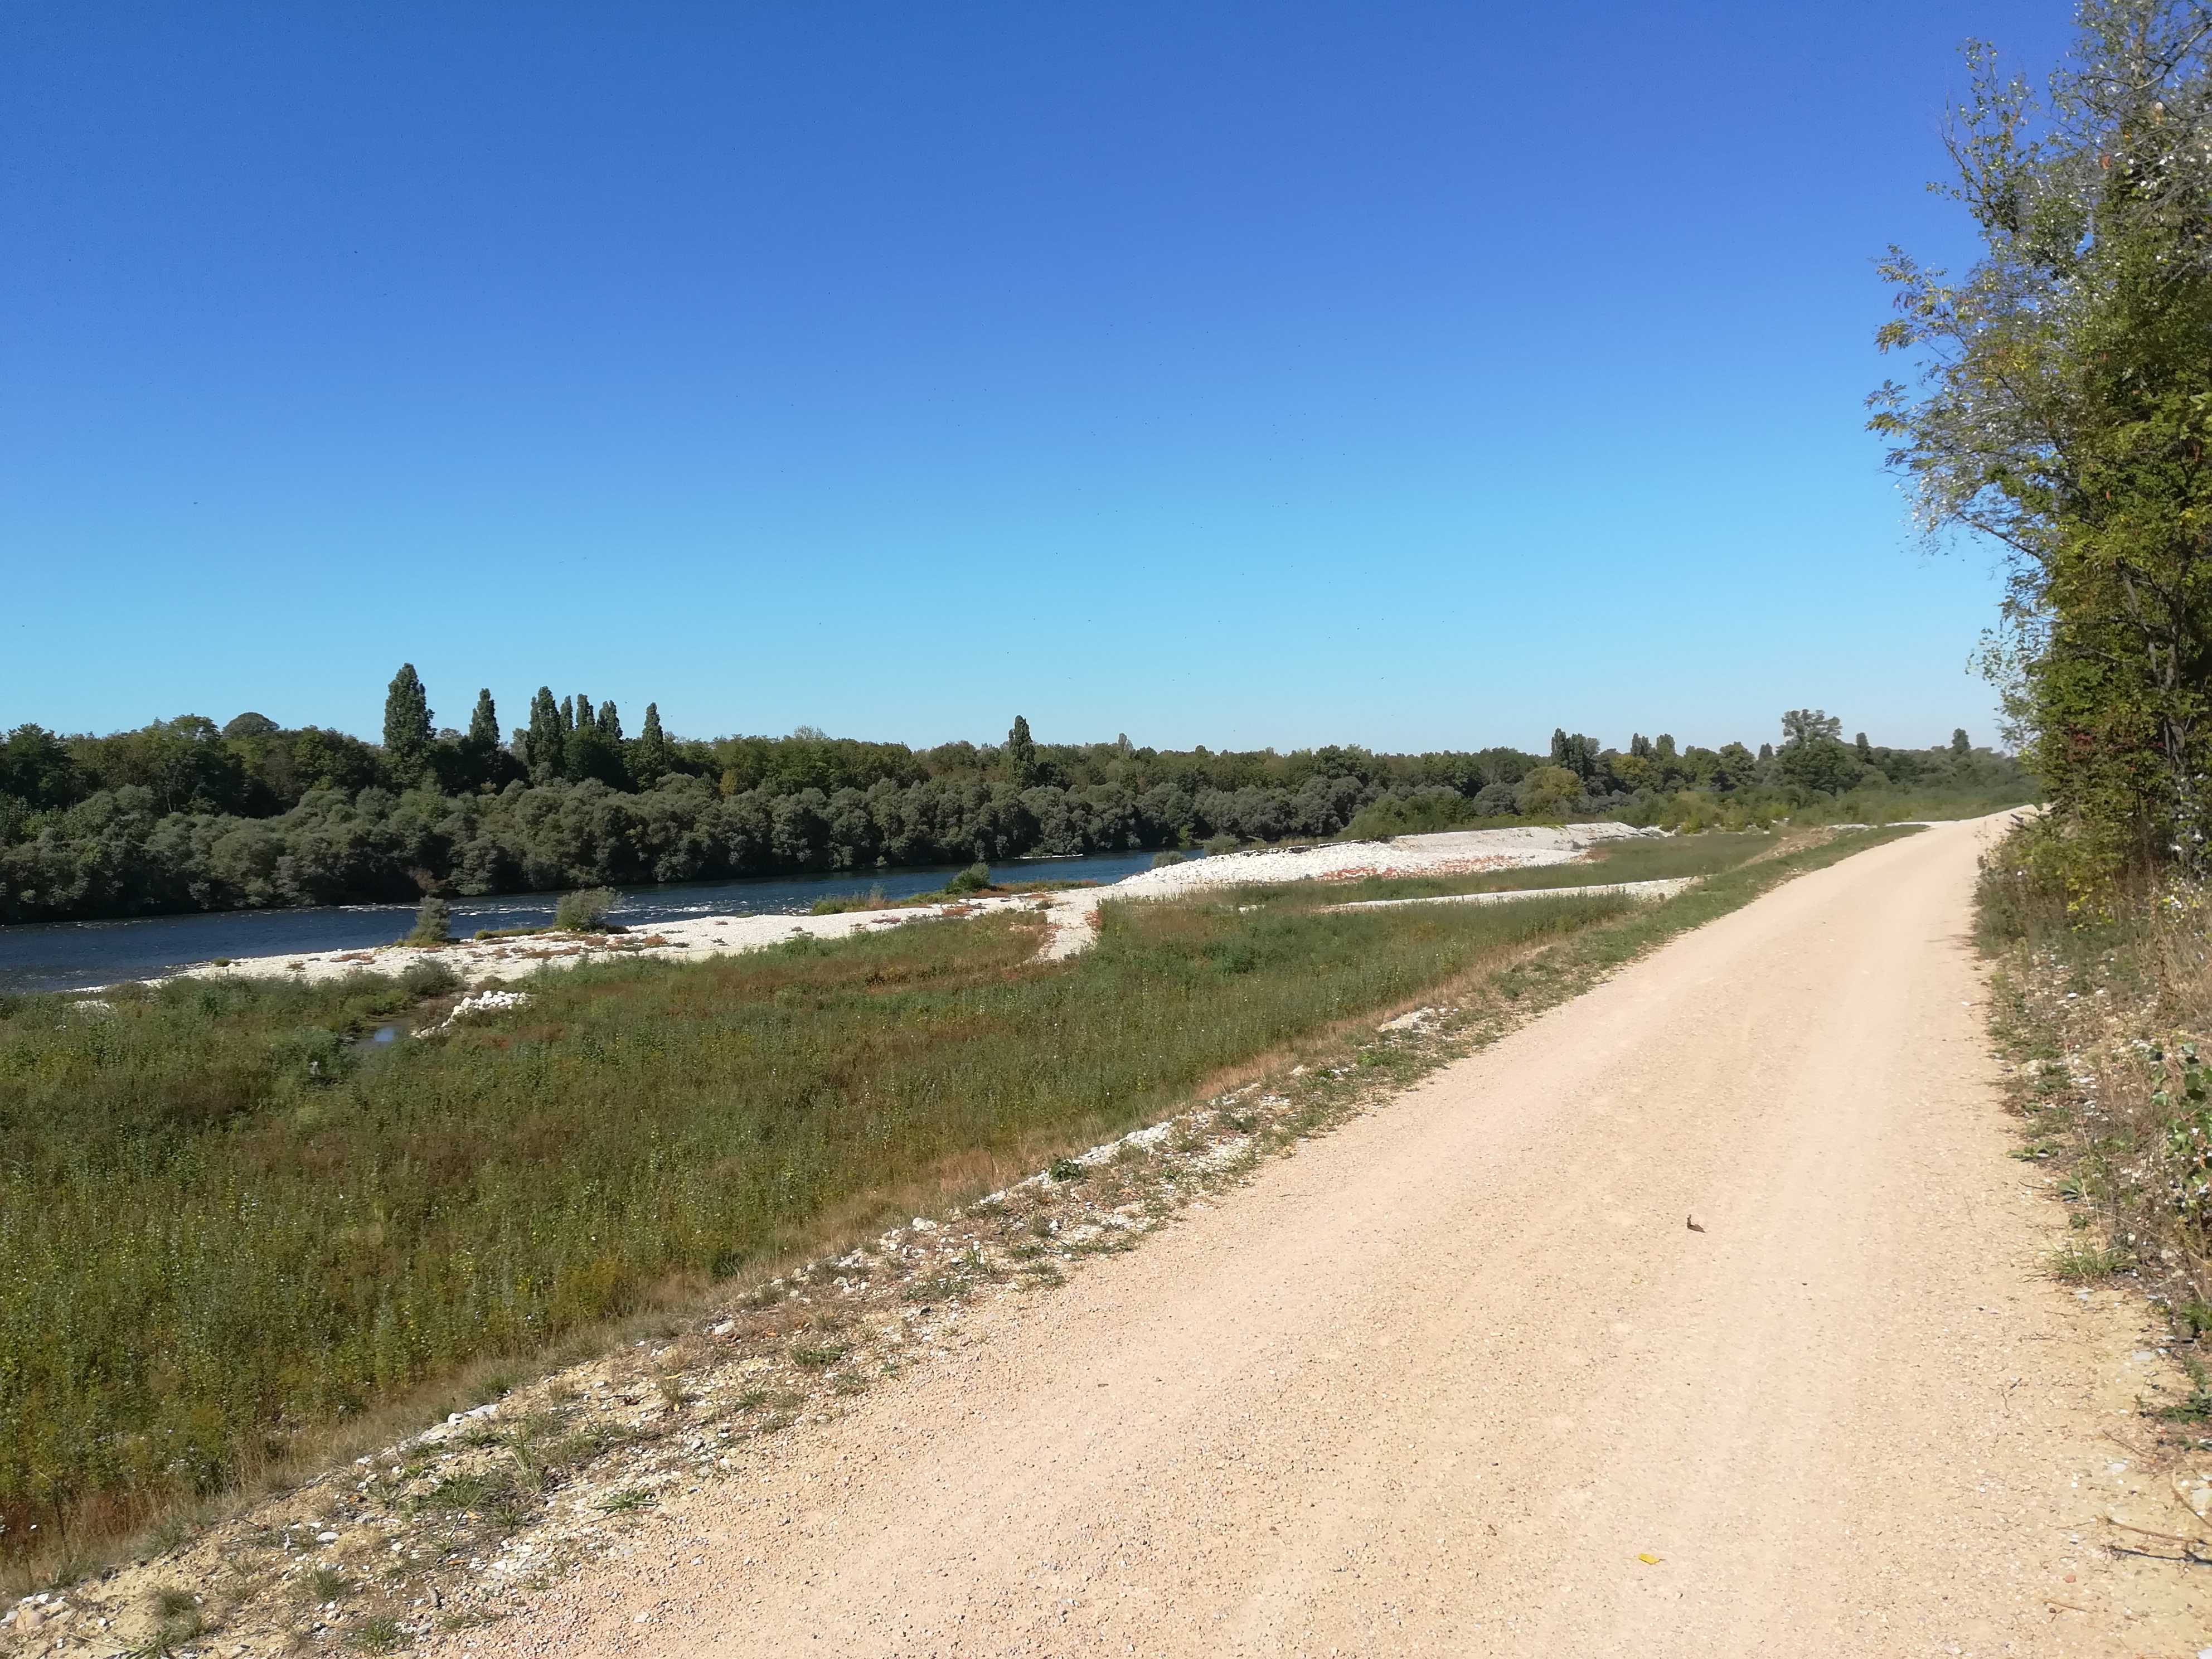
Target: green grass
pixel 1636 861
pixel 222 1221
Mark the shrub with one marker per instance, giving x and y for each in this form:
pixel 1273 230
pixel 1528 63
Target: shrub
pixel 429 979
pixel 1161 861
pixel 584 911
pixel 974 880
pixel 1219 844
pixel 433 922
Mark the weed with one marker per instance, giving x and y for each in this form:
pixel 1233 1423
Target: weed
pixel 626 1502
pixel 326 1584
pixel 377 1635
pixel 2082 1264
pixel 815 1356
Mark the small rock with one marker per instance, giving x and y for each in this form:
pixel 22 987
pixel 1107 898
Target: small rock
pixel 326 1538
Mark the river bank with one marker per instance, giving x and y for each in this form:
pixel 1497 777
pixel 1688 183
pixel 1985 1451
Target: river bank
pixel 1069 915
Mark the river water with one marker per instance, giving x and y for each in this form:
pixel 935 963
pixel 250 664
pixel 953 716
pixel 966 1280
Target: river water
pixel 68 956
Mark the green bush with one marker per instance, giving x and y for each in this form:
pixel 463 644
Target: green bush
pixel 433 922
pixel 1161 861
pixel 429 979
pixel 1219 844
pixel 584 911
pixel 974 880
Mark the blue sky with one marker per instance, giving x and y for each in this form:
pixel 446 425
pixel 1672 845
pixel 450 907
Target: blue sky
pixel 1413 375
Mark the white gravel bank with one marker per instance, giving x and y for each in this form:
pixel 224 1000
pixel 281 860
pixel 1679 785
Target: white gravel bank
pixel 1069 915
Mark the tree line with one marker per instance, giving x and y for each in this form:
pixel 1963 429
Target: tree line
pixel 2063 410
pixel 182 815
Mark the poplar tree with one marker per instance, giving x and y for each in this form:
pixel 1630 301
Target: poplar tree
pixel 1021 753
pixel 610 722
pixel 649 760
pixel 406 723
pixel 543 743
pixel 483 723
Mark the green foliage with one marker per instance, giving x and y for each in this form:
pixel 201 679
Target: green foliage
pixel 406 722
pixel 433 922
pixel 1423 812
pixel 1549 791
pixel 1161 861
pixel 584 911
pixel 649 760
pixel 208 1241
pixel 1021 754
pixel 179 816
pixel 2066 404
pixel 974 880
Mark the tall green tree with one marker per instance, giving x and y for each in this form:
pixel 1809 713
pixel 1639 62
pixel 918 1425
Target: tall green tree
pixel 648 761
pixel 1809 725
pixel 2064 411
pixel 1021 753
pixel 484 722
pixel 542 748
pixel 406 724
pixel 610 722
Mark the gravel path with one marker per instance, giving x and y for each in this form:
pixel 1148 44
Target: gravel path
pixel 1459 1379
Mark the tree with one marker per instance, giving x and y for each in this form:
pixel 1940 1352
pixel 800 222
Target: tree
pixel 1960 746
pixel 36 768
pixel 610 722
pixel 2064 407
pixel 1021 754
pixel 1549 791
pixel 251 725
pixel 648 761
pixel 542 749
pixel 406 724
pixel 483 723
pixel 1864 748
pixel 1803 724
pixel 1640 746
pixel 1818 762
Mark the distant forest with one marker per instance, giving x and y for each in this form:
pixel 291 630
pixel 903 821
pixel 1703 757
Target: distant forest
pixel 184 815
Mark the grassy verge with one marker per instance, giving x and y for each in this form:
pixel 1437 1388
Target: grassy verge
pixel 232 1231
pixel 1633 861
pixel 228 1220
pixel 2104 1015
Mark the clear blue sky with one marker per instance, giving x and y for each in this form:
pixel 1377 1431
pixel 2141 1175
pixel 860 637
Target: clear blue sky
pixel 1414 375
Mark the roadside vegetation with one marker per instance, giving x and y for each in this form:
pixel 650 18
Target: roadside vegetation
pixel 235 1226
pixel 2061 410
pixel 2104 1017
pixel 183 815
pixel 227 1217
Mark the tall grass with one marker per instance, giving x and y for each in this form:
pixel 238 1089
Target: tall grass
pixel 224 1220
pixel 2106 1006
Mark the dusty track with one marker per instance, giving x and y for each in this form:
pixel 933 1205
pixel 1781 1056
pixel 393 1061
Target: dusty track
pixel 1438 1383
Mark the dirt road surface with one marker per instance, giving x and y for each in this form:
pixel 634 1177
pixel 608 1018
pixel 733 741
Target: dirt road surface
pixel 1459 1378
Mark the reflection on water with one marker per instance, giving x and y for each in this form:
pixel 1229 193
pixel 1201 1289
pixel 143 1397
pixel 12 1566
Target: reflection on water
pixel 71 955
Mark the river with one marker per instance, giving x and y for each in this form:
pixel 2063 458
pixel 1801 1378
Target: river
pixel 68 956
